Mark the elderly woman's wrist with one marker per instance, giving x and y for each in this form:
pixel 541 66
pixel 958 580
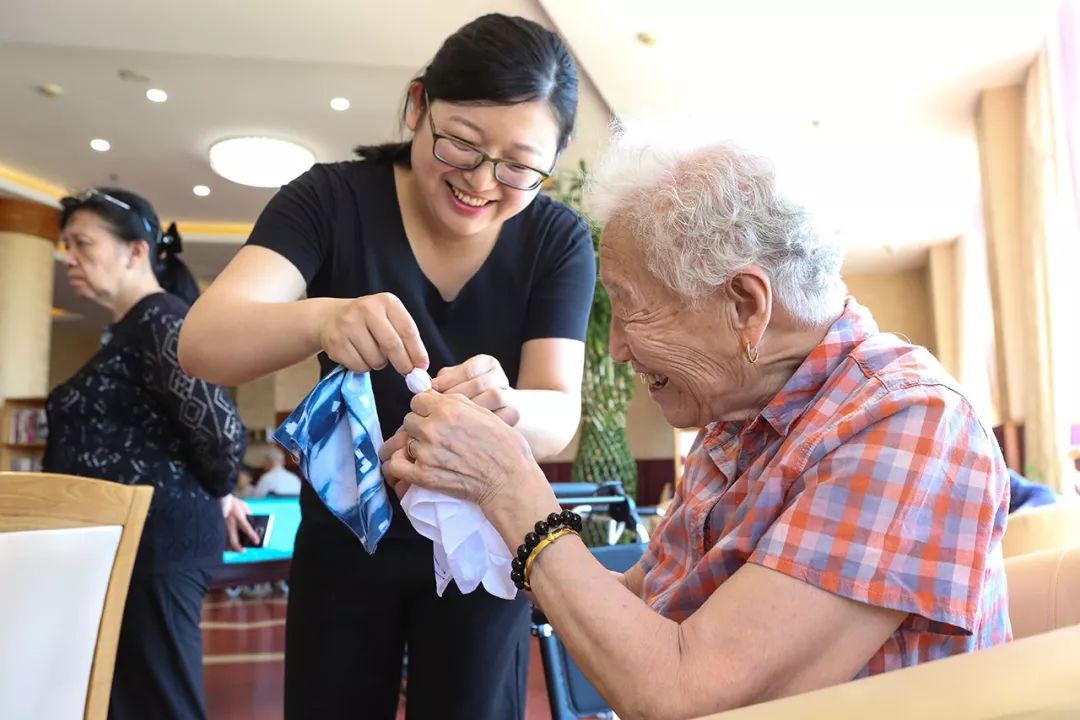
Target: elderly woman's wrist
pixel 514 511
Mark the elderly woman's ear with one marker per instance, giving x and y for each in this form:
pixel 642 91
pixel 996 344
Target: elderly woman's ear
pixel 749 294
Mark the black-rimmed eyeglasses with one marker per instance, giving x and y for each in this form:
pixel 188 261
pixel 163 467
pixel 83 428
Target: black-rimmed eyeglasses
pixel 459 154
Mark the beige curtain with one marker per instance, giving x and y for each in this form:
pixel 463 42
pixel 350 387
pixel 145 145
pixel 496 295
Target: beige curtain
pixel 964 319
pixel 1050 225
pixel 1033 245
pixel 999 121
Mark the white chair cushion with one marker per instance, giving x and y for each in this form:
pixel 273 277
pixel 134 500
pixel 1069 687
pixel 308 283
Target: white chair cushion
pixel 54 584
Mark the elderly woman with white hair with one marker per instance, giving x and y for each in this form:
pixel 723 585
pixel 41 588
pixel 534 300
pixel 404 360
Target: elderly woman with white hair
pixel 842 509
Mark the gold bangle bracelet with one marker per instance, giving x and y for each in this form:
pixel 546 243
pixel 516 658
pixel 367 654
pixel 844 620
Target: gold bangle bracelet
pixel 544 542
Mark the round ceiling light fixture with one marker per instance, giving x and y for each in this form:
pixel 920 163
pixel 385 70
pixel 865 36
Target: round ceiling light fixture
pixel 100 145
pixel 201 190
pixel 259 161
pixel 157 95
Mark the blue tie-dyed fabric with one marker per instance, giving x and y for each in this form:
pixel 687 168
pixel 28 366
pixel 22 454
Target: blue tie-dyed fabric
pixel 334 436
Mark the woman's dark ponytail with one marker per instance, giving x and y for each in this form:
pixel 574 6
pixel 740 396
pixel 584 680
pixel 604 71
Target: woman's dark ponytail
pixel 173 274
pixel 386 154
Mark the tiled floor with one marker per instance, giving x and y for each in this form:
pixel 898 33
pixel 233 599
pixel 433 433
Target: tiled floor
pixel 244 659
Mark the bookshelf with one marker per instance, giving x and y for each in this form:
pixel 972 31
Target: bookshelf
pixel 22 434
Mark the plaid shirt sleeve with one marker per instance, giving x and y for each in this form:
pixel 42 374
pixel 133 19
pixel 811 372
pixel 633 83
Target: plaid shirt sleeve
pixel 650 558
pixel 897 504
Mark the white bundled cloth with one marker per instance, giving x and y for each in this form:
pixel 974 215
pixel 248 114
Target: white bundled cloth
pixel 467 549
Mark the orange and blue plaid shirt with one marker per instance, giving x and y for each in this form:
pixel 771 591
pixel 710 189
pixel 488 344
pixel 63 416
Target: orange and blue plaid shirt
pixel 869 476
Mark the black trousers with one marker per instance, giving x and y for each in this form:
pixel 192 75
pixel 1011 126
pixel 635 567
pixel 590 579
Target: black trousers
pixel 351 616
pixel 159 671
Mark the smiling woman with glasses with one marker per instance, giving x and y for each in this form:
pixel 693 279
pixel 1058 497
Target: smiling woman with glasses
pixel 439 253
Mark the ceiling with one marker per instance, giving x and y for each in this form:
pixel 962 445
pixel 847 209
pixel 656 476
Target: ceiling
pixel 866 107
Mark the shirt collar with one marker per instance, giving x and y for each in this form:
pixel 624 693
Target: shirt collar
pixel 853 327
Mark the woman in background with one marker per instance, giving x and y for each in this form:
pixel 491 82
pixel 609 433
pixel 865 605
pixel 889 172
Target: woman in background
pixel 131 415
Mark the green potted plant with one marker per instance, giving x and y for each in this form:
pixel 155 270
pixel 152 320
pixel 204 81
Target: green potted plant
pixel 603 454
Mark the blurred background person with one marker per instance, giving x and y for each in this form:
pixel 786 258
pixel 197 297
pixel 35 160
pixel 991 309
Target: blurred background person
pixel 277 480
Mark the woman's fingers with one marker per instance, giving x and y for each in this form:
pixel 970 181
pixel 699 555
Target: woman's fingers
pixel 391 446
pixel 399 470
pixel 391 344
pixel 475 386
pixel 509 415
pixel 232 536
pixel 343 353
pixel 368 349
pixel 408 334
pixel 246 528
pixel 494 399
pixel 450 378
pixel 236 522
pixel 372 331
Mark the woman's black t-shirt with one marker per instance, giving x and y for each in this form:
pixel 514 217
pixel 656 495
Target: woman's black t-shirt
pixel 340 225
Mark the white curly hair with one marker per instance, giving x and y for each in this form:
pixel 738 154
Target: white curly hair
pixel 703 213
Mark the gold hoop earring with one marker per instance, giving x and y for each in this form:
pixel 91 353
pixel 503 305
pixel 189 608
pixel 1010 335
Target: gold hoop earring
pixel 752 353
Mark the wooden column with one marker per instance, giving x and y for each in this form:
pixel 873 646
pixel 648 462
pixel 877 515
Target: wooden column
pixel 28 234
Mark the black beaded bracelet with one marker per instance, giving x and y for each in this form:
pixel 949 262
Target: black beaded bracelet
pixel 553 522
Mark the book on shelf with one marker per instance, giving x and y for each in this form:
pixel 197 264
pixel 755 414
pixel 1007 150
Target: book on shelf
pixel 25 465
pixel 28 427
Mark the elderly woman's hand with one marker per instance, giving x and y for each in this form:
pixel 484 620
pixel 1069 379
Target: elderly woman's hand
pixel 452 445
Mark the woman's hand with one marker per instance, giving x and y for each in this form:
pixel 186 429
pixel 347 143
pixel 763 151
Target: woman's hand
pixel 236 511
pixel 369 332
pixel 386 451
pixel 481 379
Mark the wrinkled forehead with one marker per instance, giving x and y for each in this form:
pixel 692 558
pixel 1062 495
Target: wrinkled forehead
pixel 622 262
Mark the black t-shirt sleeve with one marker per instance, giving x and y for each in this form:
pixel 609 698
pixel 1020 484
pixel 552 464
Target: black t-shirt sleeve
pixel 562 291
pixel 297 222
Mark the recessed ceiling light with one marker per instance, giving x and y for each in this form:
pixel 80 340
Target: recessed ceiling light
pixel 100 145
pixel 201 190
pixel 157 95
pixel 259 161
pixel 646 38
pixel 340 104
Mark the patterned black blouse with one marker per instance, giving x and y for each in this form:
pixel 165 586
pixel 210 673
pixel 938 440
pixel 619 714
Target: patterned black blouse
pixel 131 415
